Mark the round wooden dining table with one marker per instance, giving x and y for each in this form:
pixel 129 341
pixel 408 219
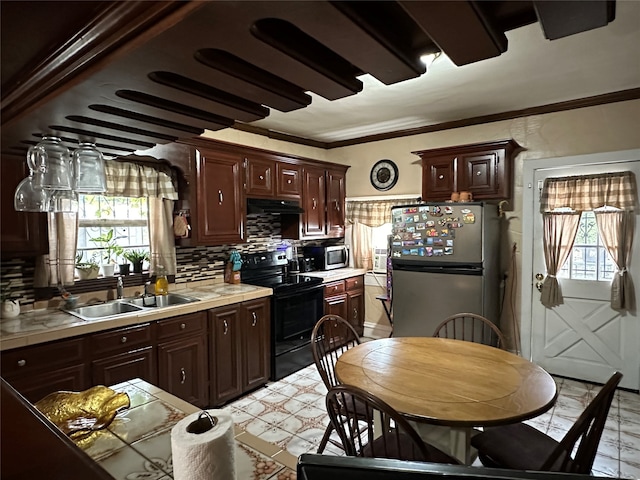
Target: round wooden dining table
pixel 447 382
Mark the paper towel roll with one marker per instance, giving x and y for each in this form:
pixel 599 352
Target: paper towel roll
pixel 209 455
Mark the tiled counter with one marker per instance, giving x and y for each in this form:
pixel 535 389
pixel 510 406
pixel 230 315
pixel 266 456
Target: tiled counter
pixel 48 324
pixel 137 444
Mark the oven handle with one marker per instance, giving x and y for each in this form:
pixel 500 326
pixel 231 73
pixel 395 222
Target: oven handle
pixel 298 292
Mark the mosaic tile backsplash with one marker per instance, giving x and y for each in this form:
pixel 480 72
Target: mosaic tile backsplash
pixel 193 263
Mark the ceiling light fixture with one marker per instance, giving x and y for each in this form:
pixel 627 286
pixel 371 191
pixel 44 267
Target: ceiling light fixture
pixel 429 58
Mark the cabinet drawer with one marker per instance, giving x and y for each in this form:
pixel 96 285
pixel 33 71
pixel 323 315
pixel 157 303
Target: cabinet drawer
pixel 47 356
pixel 354 283
pixel 183 325
pixel 333 288
pixel 120 340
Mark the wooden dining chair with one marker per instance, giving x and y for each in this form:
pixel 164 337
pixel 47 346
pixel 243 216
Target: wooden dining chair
pixel 472 328
pixel 330 338
pixel 395 437
pixel 522 447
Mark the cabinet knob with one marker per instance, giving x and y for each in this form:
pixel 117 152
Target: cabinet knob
pixel 355 313
pixel 183 326
pixel 226 327
pixel 183 376
pixel 255 319
pixel 123 339
pixel 220 197
pixel 289 181
pixel 314 204
pixel 478 174
pixel 440 177
pixel 22 363
pixel 261 177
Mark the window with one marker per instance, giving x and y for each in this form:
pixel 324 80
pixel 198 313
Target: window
pixel 589 259
pixel 127 217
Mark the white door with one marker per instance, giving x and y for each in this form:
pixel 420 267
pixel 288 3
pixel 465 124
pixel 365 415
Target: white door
pixel 584 338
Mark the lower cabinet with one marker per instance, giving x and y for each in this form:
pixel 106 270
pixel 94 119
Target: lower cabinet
pixel 239 349
pixel 122 354
pixel 205 358
pixel 183 359
pixel 39 370
pixel 346 299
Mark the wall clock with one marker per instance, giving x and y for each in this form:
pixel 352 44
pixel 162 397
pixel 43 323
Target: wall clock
pixel 384 174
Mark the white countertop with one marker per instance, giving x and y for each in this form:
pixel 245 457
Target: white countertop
pixel 329 276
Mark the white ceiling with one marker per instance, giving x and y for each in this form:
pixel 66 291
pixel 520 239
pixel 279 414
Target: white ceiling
pixel 533 72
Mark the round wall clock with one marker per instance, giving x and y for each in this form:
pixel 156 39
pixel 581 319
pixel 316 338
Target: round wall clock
pixel 384 174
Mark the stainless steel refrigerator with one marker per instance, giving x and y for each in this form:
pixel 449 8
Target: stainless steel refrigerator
pixel 445 260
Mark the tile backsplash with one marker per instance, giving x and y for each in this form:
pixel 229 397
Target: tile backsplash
pixel 263 232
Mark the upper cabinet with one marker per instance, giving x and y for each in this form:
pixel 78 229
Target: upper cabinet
pixel 22 234
pixel 269 178
pixel 484 169
pixel 220 205
pixel 288 181
pixel 336 192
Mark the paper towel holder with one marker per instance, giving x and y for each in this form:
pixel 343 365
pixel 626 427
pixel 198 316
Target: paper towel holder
pixel 204 423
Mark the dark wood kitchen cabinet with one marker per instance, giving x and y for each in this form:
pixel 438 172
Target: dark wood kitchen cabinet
pixel 183 360
pixel 220 215
pixel 336 192
pixel 484 169
pixel 38 370
pixel 288 181
pixel 239 349
pixel 313 220
pixel 122 354
pixel 346 299
pixel 22 234
pixel 261 177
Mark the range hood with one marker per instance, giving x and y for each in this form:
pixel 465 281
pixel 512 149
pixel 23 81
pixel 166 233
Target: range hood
pixel 262 205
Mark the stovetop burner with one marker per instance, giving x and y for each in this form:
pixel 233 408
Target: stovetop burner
pixel 268 269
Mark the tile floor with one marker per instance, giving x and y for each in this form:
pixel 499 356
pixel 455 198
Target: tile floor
pixel 291 413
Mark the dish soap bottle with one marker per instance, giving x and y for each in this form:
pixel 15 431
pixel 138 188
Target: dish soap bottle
pixel 162 284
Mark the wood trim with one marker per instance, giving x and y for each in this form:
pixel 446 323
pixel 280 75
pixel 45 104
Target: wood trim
pixel 91 49
pixel 614 97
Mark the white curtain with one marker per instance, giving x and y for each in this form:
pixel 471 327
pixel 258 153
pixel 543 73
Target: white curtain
pixel 161 239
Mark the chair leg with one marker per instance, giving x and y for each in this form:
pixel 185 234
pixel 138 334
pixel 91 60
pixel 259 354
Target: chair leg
pixel 325 438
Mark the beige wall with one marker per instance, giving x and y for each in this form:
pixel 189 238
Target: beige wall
pixel 603 128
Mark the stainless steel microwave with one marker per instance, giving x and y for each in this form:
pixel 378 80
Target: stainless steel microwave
pixel 328 258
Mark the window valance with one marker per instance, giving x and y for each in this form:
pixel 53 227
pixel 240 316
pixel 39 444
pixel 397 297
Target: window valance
pixel 588 192
pixel 373 213
pixel 129 179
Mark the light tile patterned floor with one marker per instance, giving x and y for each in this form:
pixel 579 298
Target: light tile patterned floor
pixel 292 414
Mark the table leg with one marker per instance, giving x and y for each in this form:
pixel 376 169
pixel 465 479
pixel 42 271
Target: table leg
pixel 456 441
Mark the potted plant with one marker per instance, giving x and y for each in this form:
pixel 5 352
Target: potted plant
pixel 10 307
pixel 111 250
pixel 136 257
pixel 87 270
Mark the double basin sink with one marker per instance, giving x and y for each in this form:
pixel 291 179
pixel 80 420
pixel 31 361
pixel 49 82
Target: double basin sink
pixel 116 308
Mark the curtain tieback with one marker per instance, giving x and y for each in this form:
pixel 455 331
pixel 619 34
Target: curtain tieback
pixel 622 271
pixel 551 276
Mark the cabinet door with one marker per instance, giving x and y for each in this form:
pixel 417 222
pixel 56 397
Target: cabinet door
pixel 355 309
pixel 183 369
pixel 336 305
pixel 221 210
pixel 483 174
pixel 225 373
pixel 255 343
pixel 22 234
pixel 335 203
pixel 439 177
pixel 260 177
pixel 314 200
pixel 289 181
pixel 125 366
pixel 37 386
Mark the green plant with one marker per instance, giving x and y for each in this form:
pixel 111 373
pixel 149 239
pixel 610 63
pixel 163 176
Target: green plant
pixel 108 243
pixel 136 256
pixel 89 264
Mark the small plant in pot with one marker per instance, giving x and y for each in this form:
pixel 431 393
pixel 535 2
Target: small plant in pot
pixel 136 257
pixel 111 250
pixel 87 270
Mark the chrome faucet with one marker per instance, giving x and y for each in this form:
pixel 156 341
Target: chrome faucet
pixel 120 288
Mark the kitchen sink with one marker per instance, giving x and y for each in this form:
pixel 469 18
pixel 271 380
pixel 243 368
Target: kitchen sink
pixel 160 301
pixel 125 306
pixel 103 310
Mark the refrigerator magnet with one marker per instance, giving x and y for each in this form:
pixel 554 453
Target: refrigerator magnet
pixel 448 210
pixel 469 218
pixel 429 251
pixel 438 252
pixel 421 252
pixel 420 226
pixel 449 243
pixel 448 251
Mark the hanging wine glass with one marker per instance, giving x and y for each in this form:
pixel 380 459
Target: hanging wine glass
pixel 29 197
